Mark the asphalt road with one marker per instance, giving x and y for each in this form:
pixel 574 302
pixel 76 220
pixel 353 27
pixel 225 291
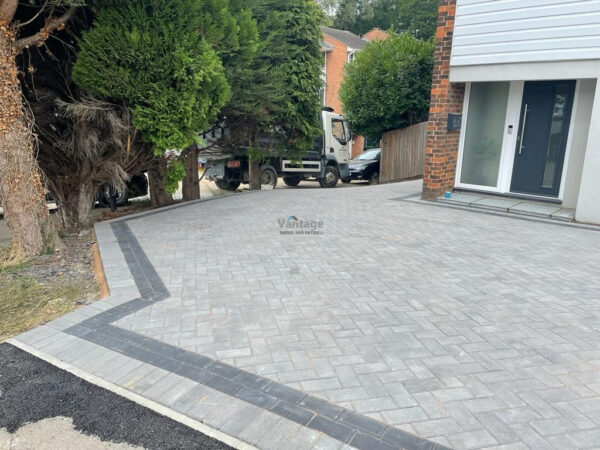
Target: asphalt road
pixel 33 391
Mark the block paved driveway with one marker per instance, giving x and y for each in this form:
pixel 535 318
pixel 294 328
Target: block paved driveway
pixel 466 329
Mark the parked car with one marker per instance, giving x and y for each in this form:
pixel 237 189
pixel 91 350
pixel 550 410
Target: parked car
pixel 365 166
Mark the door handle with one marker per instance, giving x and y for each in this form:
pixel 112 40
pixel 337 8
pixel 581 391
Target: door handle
pixel 331 150
pixel 521 147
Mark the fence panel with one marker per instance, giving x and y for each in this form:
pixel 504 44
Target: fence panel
pixel 403 153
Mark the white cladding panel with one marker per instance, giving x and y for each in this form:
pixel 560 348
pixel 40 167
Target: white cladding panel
pixel 516 31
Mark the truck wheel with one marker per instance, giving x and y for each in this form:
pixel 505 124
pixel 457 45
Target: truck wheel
pixel 374 179
pixel 227 185
pixel 331 177
pixel 292 181
pixel 268 176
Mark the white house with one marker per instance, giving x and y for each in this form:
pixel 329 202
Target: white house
pixel 524 75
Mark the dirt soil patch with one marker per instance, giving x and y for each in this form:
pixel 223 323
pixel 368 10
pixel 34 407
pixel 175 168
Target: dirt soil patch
pixel 42 289
pixel 37 291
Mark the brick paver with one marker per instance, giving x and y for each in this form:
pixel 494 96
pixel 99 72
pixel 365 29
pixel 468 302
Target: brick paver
pixel 469 329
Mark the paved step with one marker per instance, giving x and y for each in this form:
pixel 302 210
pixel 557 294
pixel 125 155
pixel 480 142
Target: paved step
pixel 546 210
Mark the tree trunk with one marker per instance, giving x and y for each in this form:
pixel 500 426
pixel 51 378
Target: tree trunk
pixel 21 186
pixel 75 206
pixel 191 181
pixel 156 175
pixel 254 175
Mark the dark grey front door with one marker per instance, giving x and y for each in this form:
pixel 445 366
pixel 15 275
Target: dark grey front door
pixel 543 134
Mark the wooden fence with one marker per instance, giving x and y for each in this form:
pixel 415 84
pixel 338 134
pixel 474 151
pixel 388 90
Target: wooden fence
pixel 403 153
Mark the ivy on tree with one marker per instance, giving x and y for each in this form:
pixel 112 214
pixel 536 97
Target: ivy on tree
pixel 387 86
pixel 21 189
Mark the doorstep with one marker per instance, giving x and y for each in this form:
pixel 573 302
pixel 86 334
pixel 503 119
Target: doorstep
pixel 510 205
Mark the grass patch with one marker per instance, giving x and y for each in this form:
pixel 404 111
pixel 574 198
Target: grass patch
pixel 9 268
pixel 25 304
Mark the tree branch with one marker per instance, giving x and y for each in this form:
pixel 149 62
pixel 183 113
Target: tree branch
pixel 36 16
pixel 8 8
pixel 52 24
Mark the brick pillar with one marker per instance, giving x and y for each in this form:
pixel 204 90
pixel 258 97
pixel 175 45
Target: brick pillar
pixel 441 151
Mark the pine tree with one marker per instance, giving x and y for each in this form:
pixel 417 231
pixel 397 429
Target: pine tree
pixel 161 59
pixel 278 91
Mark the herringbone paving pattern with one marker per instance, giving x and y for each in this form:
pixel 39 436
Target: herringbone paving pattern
pixel 470 329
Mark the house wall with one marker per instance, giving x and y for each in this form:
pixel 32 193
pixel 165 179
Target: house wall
pixel 336 59
pixel 441 149
pixel 581 128
pixel 588 204
pixel 561 70
pixel 509 31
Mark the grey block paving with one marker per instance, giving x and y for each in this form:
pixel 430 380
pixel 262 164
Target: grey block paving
pixel 474 330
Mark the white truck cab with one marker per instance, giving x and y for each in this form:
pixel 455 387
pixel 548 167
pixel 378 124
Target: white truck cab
pixel 326 163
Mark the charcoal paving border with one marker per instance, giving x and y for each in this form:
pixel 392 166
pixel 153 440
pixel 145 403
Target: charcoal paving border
pixel 346 426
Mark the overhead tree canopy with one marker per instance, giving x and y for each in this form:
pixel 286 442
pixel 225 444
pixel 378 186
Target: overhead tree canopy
pixel 387 86
pixel 417 17
pixel 161 59
pixel 276 91
pixel 329 7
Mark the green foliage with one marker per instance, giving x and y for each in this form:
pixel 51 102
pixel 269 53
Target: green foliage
pixel 417 17
pixel 329 8
pixel 175 173
pixel 163 59
pixel 387 86
pixel 277 92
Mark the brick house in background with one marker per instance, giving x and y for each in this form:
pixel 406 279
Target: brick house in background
pixel 339 48
pixel 376 35
pixel 524 77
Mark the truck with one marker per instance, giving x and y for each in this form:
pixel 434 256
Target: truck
pixel 326 162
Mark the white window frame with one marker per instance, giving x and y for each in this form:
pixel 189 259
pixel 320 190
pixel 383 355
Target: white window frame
pixel 509 143
pixel 351 53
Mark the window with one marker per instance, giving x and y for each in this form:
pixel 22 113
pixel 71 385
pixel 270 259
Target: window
pixel 369 155
pixel 557 131
pixel 484 133
pixel 338 130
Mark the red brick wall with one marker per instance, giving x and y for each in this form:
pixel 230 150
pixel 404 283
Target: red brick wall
pixel 441 152
pixel 336 59
pixel 376 35
pixel 358 146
